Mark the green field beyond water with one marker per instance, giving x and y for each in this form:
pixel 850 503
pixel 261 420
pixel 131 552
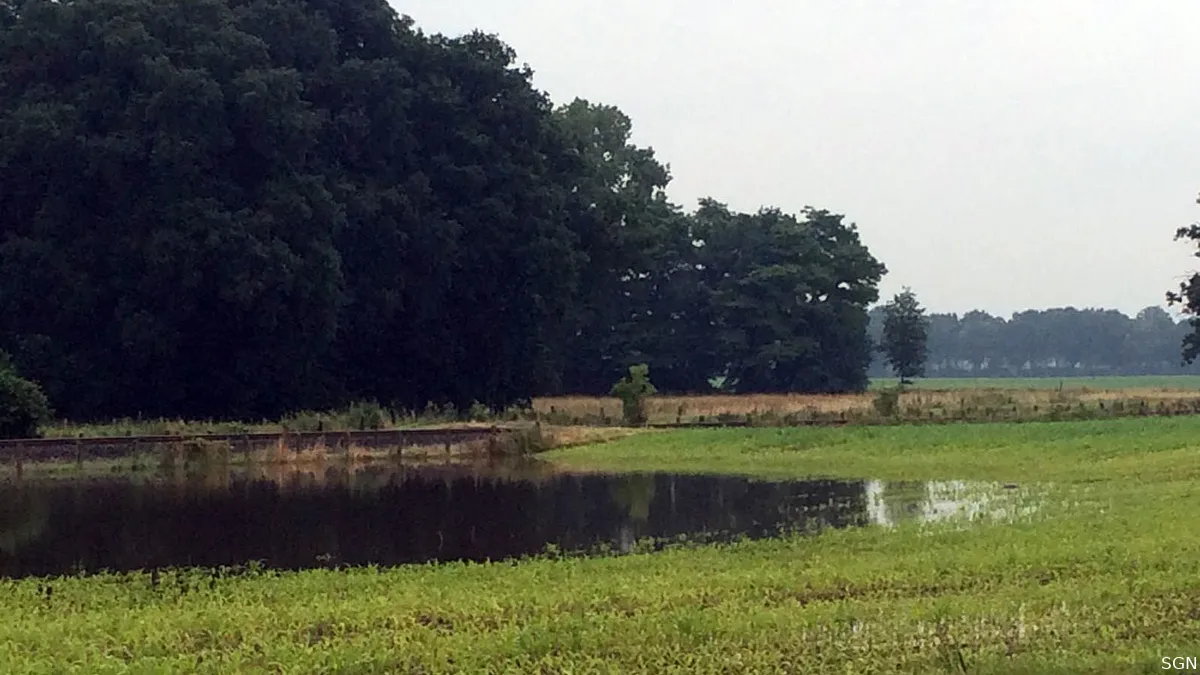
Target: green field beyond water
pixel 1093 565
pixel 1188 382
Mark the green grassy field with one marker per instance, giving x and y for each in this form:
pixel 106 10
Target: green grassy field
pixel 1101 577
pixel 1179 382
pixel 1157 449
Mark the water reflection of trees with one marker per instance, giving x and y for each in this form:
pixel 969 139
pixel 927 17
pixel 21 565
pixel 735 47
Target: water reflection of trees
pixel 344 515
pixel 23 518
pixel 633 494
pixel 902 500
pixel 891 503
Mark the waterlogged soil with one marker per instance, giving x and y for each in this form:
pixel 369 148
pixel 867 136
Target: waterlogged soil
pixel 298 519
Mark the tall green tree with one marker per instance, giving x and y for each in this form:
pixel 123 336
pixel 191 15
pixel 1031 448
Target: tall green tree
pixel 243 207
pixel 639 301
pixel 905 333
pixel 461 256
pixel 168 240
pixel 788 298
pixel 1153 340
pixel 1188 295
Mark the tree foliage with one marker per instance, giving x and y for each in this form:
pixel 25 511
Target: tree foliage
pixel 905 333
pixel 259 206
pixel 635 243
pixel 23 405
pixel 1189 296
pixel 239 208
pixel 787 298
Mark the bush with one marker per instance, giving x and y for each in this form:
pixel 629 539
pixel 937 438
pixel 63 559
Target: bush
pixel 360 416
pixel 366 415
pixel 307 420
pixel 479 412
pixel 633 391
pixel 23 405
pixel 434 413
pixel 887 402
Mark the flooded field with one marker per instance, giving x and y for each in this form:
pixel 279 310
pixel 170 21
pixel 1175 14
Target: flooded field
pixel 294 519
pixel 1065 547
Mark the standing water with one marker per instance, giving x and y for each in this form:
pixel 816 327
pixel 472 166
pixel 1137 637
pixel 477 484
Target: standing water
pixel 390 515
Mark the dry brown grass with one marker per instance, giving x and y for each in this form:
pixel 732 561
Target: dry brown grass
pixel 570 436
pixel 668 409
pixel 1144 393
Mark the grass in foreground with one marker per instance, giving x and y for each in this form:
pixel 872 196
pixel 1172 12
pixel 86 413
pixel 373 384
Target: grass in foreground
pixel 1101 580
pixel 1143 449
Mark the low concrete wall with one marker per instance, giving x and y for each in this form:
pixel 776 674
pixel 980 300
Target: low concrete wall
pixel 78 449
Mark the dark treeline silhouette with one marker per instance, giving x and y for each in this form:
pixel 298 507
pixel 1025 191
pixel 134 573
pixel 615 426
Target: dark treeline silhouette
pixel 240 208
pixel 1052 342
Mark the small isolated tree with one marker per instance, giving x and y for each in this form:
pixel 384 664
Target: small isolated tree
pixel 633 390
pixel 905 330
pixel 1189 296
pixel 23 405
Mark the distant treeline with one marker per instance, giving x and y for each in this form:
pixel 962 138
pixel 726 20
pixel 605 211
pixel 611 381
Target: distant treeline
pixel 1052 342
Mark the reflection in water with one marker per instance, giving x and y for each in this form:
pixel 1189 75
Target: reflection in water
pixel 890 503
pixel 294 519
pixel 633 494
pixel 23 519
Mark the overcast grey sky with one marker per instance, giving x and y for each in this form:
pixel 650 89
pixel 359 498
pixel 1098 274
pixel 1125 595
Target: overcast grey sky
pixel 995 154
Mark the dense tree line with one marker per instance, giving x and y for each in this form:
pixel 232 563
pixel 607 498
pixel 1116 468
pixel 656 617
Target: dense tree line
pixel 244 207
pixel 1053 342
